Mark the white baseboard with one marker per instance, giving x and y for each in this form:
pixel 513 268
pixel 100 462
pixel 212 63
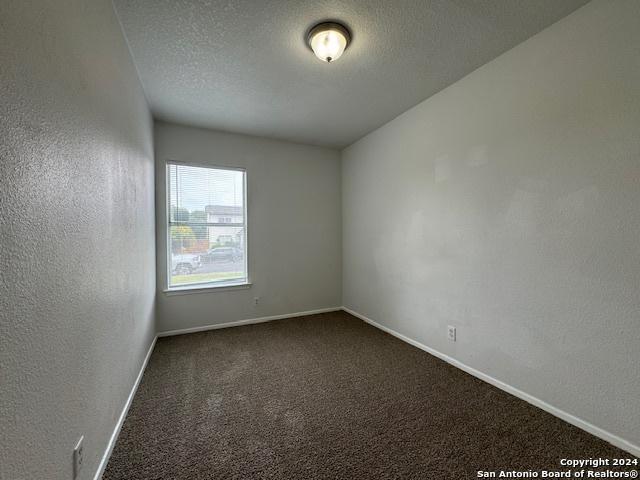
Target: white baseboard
pixel 567 417
pixel 123 415
pixel 237 323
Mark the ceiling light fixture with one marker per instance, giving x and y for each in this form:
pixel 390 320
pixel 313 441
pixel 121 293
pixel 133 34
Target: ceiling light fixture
pixel 329 40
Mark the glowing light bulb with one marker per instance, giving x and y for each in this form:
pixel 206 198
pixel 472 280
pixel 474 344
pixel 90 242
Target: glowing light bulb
pixel 329 41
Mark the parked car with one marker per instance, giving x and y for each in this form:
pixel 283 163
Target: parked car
pixel 184 264
pixel 222 254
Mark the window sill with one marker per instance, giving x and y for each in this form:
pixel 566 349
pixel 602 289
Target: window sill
pixel 188 290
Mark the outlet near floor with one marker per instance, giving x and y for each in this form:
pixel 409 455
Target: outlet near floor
pixel 451 333
pixel 78 457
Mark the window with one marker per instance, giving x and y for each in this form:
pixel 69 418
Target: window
pixel 207 227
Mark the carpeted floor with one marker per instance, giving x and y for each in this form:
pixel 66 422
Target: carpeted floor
pixel 327 396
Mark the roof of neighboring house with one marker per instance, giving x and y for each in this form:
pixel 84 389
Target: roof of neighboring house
pixel 223 210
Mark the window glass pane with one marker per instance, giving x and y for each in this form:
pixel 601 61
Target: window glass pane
pixel 207 240
pixel 194 191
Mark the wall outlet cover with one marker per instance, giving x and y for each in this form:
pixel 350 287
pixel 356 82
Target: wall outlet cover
pixel 451 333
pixel 78 457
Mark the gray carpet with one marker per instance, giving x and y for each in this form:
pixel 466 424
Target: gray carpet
pixel 327 396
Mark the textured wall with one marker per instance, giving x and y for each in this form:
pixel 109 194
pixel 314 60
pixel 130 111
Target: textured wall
pixel 508 205
pixel 294 226
pixel 78 255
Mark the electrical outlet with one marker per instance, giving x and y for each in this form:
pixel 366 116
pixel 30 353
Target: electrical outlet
pixel 451 333
pixel 256 300
pixel 78 457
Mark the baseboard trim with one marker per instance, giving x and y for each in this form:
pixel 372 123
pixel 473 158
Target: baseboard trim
pixel 567 417
pixel 116 431
pixel 249 321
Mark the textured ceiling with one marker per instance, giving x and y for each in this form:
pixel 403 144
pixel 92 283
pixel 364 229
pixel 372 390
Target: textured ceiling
pixel 243 65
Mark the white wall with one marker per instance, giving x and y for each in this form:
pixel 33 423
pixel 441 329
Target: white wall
pixel 294 226
pixel 508 205
pixel 77 260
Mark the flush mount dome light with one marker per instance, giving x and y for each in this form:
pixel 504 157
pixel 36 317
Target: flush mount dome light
pixel 329 40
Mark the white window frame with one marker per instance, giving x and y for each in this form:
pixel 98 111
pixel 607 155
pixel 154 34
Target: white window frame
pixel 205 286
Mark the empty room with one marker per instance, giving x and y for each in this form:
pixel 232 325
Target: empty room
pixel 332 239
